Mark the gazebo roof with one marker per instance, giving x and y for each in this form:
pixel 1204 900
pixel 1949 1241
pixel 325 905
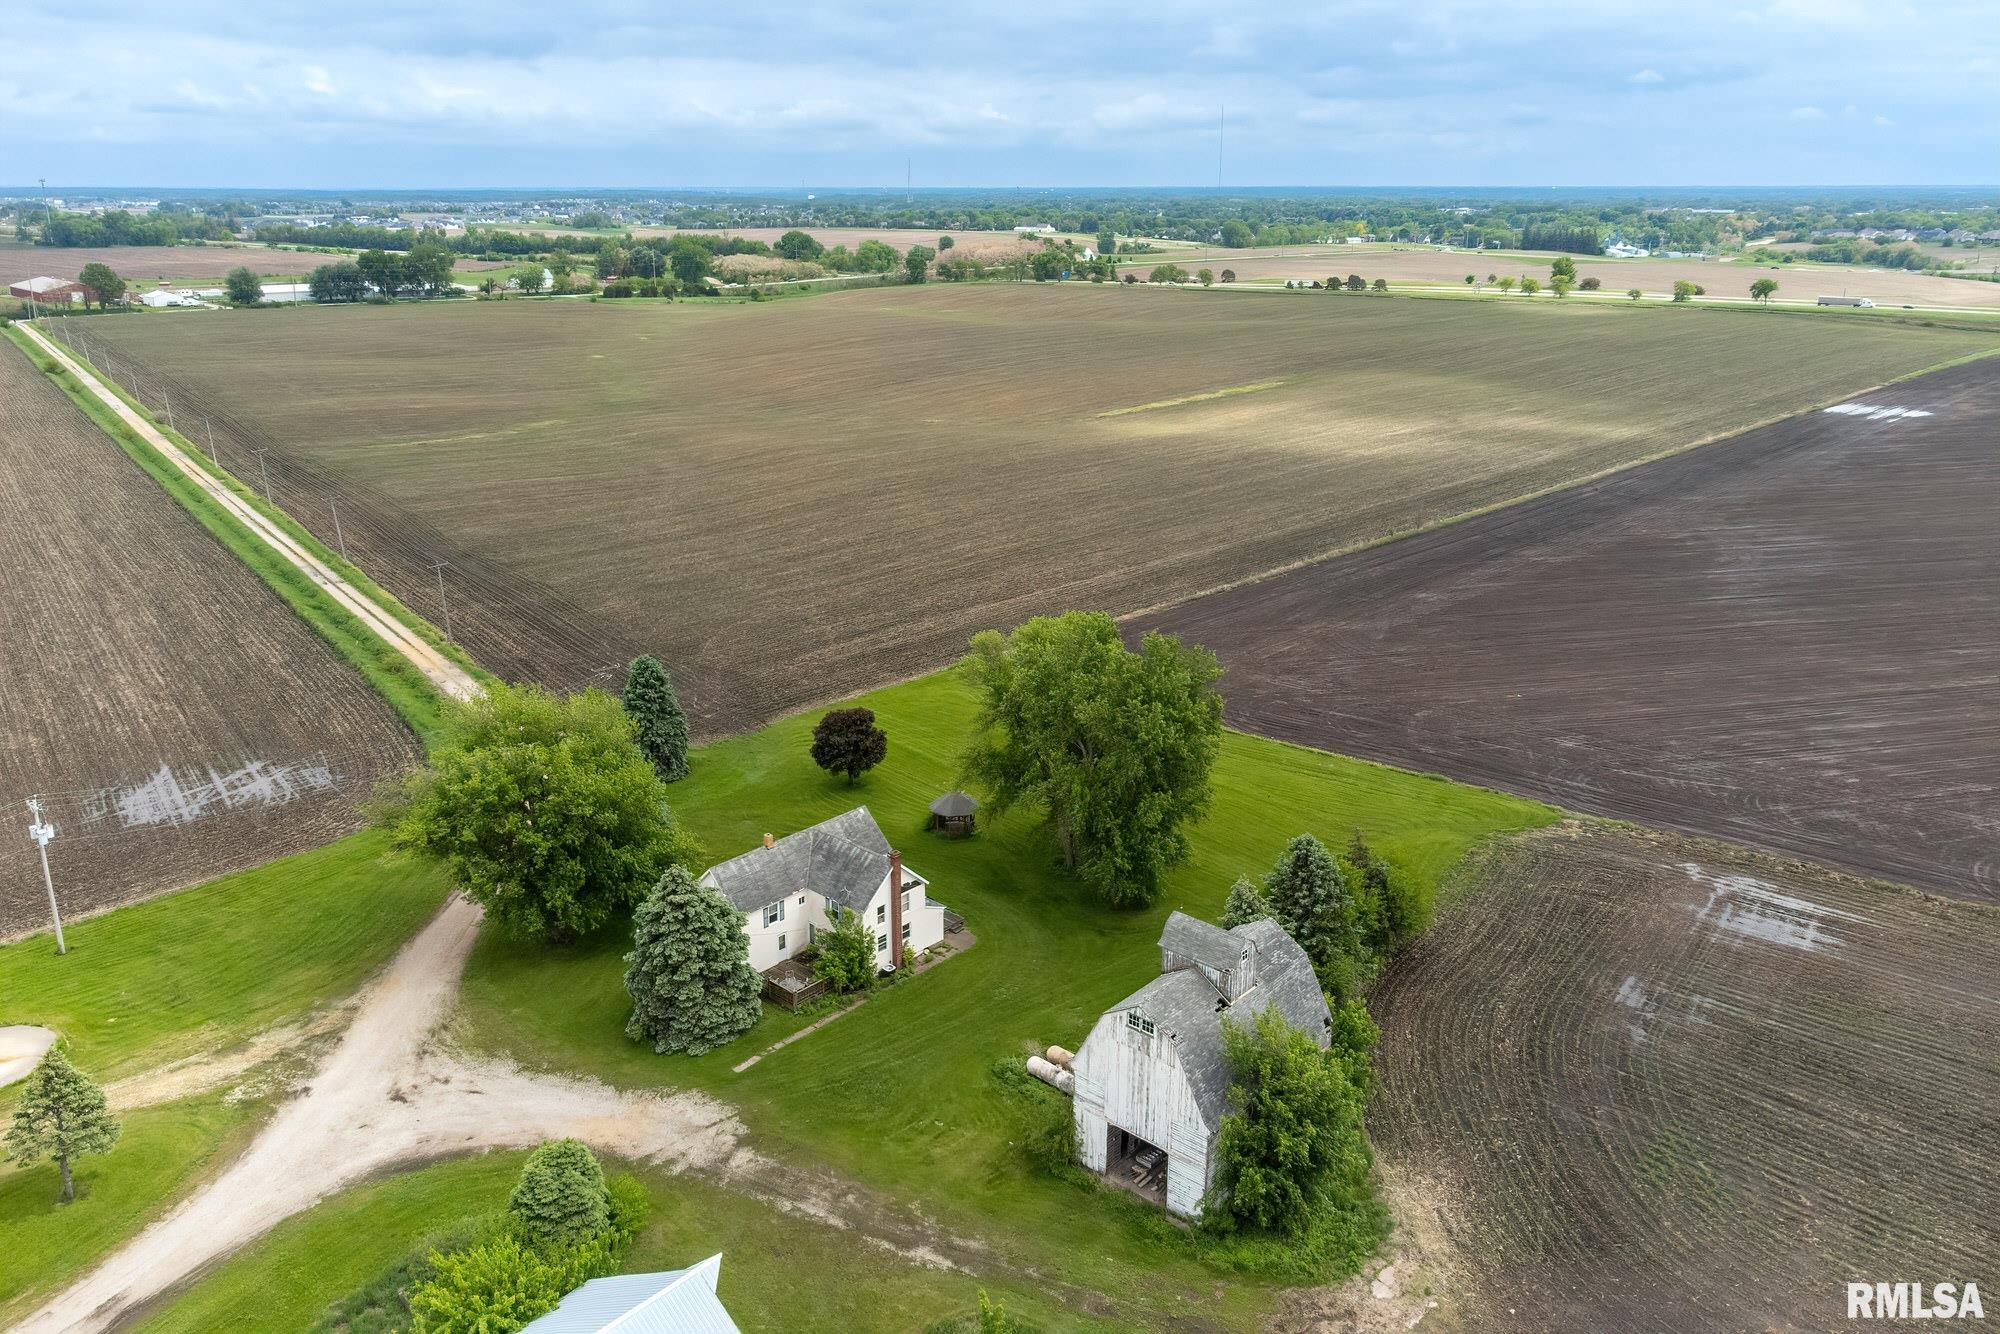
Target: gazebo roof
pixel 954 806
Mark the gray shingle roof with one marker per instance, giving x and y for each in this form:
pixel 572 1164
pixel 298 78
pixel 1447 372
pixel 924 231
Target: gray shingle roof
pixel 1187 1008
pixel 1204 942
pixel 844 859
pixel 954 805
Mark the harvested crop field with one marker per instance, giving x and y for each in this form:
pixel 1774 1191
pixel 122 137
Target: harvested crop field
pixel 1791 640
pixel 146 266
pixel 794 500
pixel 1634 1081
pixel 178 718
pixel 1730 278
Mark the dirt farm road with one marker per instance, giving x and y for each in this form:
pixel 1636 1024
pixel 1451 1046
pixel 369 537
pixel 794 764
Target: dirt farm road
pixel 449 678
pixel 388 1093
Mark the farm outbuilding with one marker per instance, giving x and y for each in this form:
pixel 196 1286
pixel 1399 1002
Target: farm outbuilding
pixel 1152 1080
pixel 954 814
pixel 46 291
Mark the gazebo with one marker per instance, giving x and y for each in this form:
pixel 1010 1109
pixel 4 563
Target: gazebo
pixel 954 814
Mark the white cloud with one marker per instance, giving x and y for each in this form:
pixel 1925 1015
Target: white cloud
pixel 1808 113
pixel 1647 76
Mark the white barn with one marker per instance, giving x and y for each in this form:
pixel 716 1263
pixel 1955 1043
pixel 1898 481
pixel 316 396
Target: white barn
pixel 1152 1082
pixel 786 889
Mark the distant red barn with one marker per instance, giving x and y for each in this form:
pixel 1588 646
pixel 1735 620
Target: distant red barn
pixel 46 291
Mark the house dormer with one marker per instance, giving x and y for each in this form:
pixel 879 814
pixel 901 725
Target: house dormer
pixel 1227 960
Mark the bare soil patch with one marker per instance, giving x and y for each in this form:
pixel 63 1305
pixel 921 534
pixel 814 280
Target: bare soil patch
pixel 149 266
pixel 796 500
pixel 178 720
pixel 1650 1082
pixel 1791 639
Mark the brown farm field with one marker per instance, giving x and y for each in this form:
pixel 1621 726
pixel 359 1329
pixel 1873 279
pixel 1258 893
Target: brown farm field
pixel 148 266
pixel 1644 1082
pixel 795 500
pixel 1730 278
pixel 1792 640
pixel 179 720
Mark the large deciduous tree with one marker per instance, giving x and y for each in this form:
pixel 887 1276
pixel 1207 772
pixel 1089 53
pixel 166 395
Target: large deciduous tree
pixel 658 720
pixel 1763 289
pixel 1292 1138
pixel 1115 746
pixel 846 952
pixel 796 244
pixel 242 286
pixel 61 1115
pixel 847 741
pixel 689 973
pixel 100 284
pixel 339 281
pixel 542 808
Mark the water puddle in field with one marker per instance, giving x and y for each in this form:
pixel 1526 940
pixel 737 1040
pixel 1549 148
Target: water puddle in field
pixel 1875 413
pixel 170 798
pixel 1650 1008
pixel 1746 908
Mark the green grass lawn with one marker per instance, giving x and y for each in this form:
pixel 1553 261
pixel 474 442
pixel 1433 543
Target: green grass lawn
pixel 206 967
pixel 160 1154
pixel 899 1094
pixel 779 1271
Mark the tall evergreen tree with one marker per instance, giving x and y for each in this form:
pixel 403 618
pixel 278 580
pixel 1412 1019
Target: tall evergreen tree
pixel 689 972
pixel 62 1116
pixel 1246 903
pixel 1310 899
pixel 657 717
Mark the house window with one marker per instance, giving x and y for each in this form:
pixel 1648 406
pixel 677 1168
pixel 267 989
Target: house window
pixel 906 933
pixel 1133 1019
pixel 881 913
pixel 774 913
pixel 881 944
pixel 906 902
pixel 781 942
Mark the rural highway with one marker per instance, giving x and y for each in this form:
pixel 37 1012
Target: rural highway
pixel 447 676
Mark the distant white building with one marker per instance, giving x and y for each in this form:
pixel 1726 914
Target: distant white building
pixel 1621 250
pixel 1035 229
pixel 678 1301
pixel 1152 1080
pixel 161 298
pixel 789 889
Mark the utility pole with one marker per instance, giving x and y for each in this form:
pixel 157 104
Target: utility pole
pixel 41 831
pixel 168 400
pixel 212 458
pixel 338 536
pixel 439 566
pixel 267 474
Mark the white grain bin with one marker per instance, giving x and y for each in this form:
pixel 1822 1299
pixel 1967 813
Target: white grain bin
pixel 1061 1056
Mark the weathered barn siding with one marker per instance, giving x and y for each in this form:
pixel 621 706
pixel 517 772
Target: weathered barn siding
pixel 1134 1081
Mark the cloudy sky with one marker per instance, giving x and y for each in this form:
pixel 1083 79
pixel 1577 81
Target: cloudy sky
pixel 395 93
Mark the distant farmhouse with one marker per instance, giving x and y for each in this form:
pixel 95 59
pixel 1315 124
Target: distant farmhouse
pixel 1152 1081
pixel 1035 229
pixel 787 889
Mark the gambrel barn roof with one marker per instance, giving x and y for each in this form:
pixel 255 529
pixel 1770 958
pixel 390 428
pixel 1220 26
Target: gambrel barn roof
pixel 1187 1008
pixel 844 860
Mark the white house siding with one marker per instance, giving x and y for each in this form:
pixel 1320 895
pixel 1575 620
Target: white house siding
pixel 1127 1079
pixel 806 912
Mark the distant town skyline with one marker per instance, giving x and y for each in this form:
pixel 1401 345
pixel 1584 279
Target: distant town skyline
pixel 610 93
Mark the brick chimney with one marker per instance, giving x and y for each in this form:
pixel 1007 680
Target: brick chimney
pixel 768 840
pixel 895 909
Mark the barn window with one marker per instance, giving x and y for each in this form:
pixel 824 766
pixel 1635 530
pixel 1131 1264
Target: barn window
pixel 1133 1019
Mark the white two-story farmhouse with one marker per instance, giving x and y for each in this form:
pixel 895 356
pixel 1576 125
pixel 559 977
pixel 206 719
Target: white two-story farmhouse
pixel 787 889
pixel 1152 1082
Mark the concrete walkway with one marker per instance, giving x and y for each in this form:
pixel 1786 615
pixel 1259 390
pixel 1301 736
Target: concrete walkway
pixel 450 679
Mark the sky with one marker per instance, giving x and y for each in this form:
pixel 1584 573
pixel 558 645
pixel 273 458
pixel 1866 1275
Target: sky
pixel 513 93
